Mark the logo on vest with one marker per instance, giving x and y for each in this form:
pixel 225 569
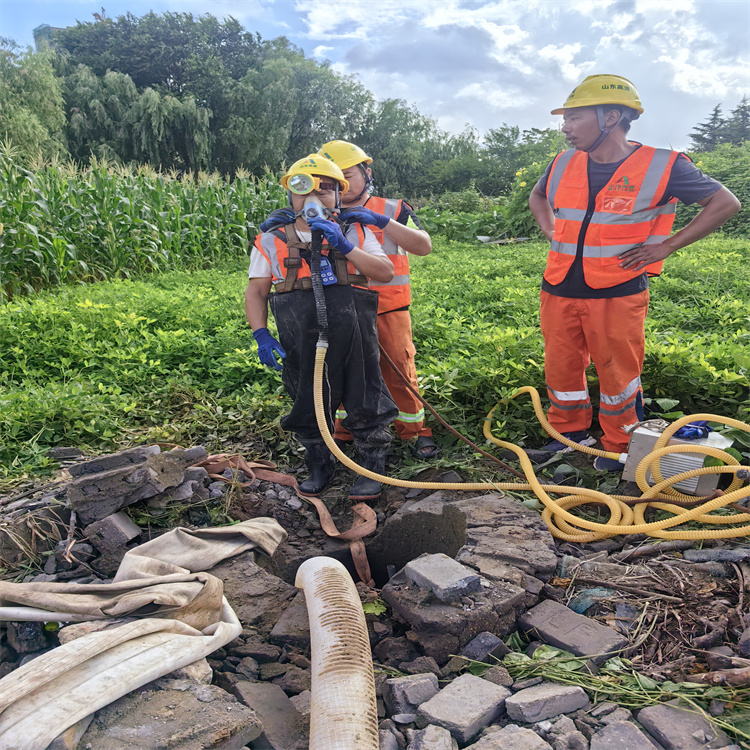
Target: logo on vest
pixel 622 185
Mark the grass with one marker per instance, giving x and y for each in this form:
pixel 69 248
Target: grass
pixel 170 358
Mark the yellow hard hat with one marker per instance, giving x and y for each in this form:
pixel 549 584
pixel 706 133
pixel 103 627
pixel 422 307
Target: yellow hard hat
pixel 345 154
pixel 313 166
pixel 602 89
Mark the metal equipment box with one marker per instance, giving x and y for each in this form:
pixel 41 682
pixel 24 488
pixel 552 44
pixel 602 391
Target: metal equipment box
pixel 642 441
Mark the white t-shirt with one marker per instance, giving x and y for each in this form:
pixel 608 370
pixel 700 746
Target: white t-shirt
pixel 260 268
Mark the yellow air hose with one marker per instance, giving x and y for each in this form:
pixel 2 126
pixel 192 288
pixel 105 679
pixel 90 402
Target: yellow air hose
pixel 623 519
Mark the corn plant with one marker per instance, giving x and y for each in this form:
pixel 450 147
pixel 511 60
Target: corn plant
pixel 61 224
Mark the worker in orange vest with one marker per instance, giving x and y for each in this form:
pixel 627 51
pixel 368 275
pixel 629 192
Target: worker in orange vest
pixel 399 232
pixel 281 260
pixel 607 206
pixel 397 228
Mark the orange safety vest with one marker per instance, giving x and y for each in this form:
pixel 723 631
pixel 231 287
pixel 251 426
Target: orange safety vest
pixel 625 214
pixel 281 248
pixel 396 293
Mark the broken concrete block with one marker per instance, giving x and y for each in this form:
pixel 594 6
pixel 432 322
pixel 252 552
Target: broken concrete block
pixel 294 680
pixel 439 646
pixel 112 533
pixel 174 714
pixel 559 626
pixel 620 734
pixel 200 671
pixel 257 597
pixel 544 701
pixel 499 675
pixel 464 707
pixel 302 702
pixel 511 737
pixel 484 646
pixel 404 695
pixel 426 613
pixel 107 484
pixel 680 728
pixel 293 627
pixel 506 531
pixel 70 738
pixel 128 458
pixel 283 726
pixel 433 738
pixel 442 575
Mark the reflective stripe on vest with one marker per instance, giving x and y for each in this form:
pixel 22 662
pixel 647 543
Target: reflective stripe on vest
pixel 397 292
pixel 273 247
pixel 625 214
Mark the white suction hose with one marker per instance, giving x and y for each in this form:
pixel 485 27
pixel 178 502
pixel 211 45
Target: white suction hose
pixel 344 712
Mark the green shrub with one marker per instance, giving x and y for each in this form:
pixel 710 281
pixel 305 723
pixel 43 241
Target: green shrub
pixel 729 164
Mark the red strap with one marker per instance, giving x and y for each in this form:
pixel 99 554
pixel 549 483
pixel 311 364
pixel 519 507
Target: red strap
pixel 365 519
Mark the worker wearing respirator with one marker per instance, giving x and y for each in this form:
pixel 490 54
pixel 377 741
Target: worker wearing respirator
pixel 280 261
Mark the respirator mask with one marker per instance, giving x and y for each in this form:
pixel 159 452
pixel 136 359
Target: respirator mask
pixel 305 184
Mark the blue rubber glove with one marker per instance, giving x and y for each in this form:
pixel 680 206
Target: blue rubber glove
pixel 267 346
pixel 365 216
pixel 278 218
pixel 332 232
pixel 694 430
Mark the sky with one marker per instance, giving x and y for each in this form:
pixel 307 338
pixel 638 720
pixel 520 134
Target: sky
pixel 481 63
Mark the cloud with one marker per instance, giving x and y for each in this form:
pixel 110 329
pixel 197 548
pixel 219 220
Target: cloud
pixel 487 61
pixel 321 51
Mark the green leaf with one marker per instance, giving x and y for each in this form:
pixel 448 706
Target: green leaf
pixel 665 404
pixel 374 608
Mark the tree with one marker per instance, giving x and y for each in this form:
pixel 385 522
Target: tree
pixel 736 128
pixel 707 135
pixel 32 117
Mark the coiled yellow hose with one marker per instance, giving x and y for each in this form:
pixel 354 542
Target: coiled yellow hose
pixel 623 519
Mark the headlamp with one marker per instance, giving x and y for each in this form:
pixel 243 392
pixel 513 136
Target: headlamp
pixel 302 184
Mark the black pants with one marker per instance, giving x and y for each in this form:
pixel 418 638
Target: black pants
pixel 352 371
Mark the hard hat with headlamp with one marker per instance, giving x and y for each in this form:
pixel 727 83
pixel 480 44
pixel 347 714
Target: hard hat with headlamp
pixel 599 91
pixel 309 174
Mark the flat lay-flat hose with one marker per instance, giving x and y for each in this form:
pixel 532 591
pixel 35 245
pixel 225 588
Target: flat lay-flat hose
pixel 623 519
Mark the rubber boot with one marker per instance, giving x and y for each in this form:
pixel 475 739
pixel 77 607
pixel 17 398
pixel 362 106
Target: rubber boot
pixel 372 458
pixel 322 466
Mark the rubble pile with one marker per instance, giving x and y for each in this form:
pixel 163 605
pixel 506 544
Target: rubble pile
pixel 457 578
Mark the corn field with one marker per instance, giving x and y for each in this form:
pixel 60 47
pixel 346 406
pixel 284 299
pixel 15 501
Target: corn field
pixel 60 223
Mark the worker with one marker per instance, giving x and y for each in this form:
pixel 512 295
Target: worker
pixel 607 205
pixel 398 229
pixel 280 259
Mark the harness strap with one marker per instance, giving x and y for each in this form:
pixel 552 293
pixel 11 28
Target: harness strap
pixel 293 262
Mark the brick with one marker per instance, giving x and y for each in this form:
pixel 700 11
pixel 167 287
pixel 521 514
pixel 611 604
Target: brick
pixel 283 725
pixel 559 626
pixel 678 728
pixel 403 695
pixel 293 627
pixel 464 707
pixel 432 738
pixel 544 701
pixel 621 734
pixel 112 532
pixel 443 576
pixel 511 737
pixel 483 646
